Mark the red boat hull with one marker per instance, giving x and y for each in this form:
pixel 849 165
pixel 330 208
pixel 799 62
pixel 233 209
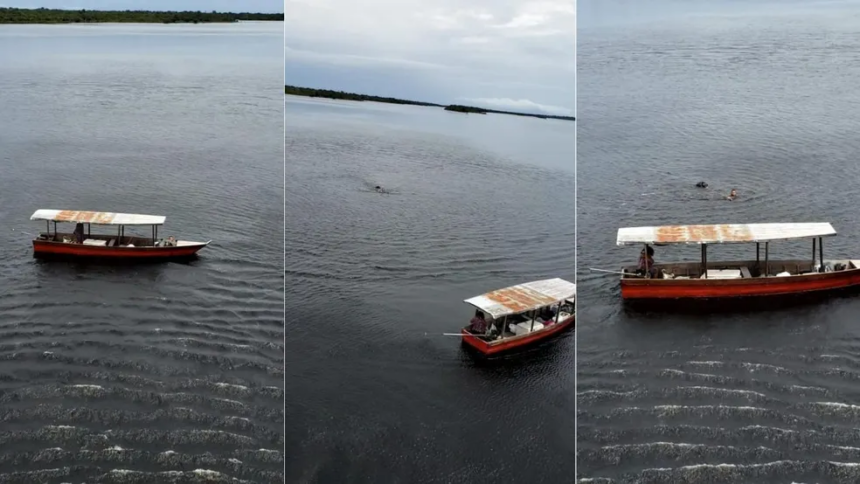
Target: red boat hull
pixel 516 342
pixel 733 288
pixel 43 248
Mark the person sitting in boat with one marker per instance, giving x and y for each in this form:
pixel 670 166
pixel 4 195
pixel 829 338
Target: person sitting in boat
pixel 79 233
pixel 732 195
pixel 646 262
pixel 546 314
pixel 478 324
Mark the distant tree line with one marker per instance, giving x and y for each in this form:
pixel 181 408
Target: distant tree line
pixel 54 16
pixel 465 109
pixel 348 96
pixel 471 109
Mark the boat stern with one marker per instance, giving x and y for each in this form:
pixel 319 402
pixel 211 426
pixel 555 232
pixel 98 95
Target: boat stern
pixel 476 343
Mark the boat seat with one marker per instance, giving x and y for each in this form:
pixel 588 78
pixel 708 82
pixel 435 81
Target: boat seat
pixel 526 327
pixel 745 272
pixel 723 274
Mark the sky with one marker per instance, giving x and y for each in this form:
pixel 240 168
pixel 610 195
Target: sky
pixel 502 54
pixel 255 6
pixel 621 14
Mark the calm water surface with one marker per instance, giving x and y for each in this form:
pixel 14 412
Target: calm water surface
pixel 477 203
pixel 767 105
pixel 170 372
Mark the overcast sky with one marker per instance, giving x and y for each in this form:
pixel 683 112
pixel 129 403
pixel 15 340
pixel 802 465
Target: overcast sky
pixel 622 14
pixel 509 54
pixel 261 6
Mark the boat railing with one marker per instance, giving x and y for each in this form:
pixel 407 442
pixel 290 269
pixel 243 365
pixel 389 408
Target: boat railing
pixel 747 268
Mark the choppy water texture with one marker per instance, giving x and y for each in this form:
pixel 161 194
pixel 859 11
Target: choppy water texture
pixel 477 203
pixel 766 105
pixel 157 373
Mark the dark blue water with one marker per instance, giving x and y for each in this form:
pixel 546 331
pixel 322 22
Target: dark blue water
pixel 477 203
pixel 162 373
pixel 766 103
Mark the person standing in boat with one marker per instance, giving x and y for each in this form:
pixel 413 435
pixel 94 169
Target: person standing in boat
pixel 646 262
pixel 79 233
pixel 478 325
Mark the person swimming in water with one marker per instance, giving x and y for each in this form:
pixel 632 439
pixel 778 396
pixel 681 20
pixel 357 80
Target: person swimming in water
pixel 379 189
pixel 732 195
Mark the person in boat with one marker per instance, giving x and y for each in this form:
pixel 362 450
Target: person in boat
pixel 547 314
pixel 732 195
pixel 646 262
pixel 79 233
pixel 478 324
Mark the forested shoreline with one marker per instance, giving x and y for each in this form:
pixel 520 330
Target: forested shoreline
pixel 349 96
pixel 57 16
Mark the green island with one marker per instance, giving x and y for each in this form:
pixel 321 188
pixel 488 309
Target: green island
pixel 56 16
pixel 348 96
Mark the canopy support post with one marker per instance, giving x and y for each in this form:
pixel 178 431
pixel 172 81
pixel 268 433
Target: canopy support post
pixel 757 253
pixel 704 261
pixel 48 227
pixel 534 316
pixel 815 267
pixel 821 252
pixel 766 259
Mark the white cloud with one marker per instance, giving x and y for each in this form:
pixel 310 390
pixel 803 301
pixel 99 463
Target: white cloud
pixel 473 40
pixel 519 105
pixel 458 46
pixel 354 60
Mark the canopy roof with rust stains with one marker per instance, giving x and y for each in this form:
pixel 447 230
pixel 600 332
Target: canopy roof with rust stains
pixel 722 234
pixel 97 218
pixel 523 297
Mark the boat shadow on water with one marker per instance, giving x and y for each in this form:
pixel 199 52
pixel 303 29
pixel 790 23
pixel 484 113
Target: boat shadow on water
pixel 95 262
pixel 76 268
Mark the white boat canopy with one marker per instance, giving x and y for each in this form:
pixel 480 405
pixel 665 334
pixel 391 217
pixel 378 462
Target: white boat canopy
pixel 722 234
pixel 523 297
pixel 97 218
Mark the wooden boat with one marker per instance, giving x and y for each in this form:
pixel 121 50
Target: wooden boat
pixel 522 315
pixel 82 243
pixel 733 279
